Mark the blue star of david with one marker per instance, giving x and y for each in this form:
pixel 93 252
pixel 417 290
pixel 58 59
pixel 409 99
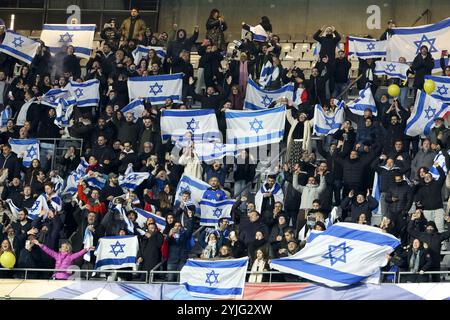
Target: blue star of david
pixel 78 92
pixel 65 37
pixel 114 249
pixel 330 122
pixel 391 67
pixel 156 88
pixel 51 98
pixel 370 46
pixel 192 125
pixel 442 90
pixel 132 177
pixel 217 213
pixel 337 253
pixel 430 112
pixel 266 101
pixel 430 41
pixel 31 152
pixel 256 125
pixel 17 42
pixel 214 276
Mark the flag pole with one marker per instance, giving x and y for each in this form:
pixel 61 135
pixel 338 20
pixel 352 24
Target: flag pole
pixel 349 87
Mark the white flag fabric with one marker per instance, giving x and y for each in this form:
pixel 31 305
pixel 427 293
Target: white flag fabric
pixel 426 110
pixel 344 254
pixel 86 93
pixel 376 192
pixel 222 279
pixel 74 177
pixel 80 36
pixel 63 113
pixel 325 124
pixel 406 41
pixel 39 205
pixel 201 124
pixel 131 180
pixel 5 115
pixel 144 215
pixel 259 34
pixel 391 69
pixel 364 48
pixel 248 129
pixel 212 211
pixel 268 74
pixel 27 149
pixel 259 99
pixel 442 90
pixel 440 159
pixel 136 107
pixel 95 179
pixel 51 97
pixel 212 151
pixel 363 102
pixel 142 52
pixel 157 89
pixel 19 46
pixel 195 186
pixel 116 252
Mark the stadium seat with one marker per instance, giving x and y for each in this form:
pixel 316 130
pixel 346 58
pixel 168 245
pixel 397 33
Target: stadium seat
pixel 25 33
pixel 36 33
pixel 287 64
pixel 303 64
pixel 293 56
pixel 303 47
pixel 298 37
pixel 286 47
pixel 309 56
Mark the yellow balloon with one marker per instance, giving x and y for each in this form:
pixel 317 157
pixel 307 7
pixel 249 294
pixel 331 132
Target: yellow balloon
pixel 7 260
pixel 429 86
pixel 394 90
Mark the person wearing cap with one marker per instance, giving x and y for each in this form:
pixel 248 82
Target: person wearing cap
pixel 439 134
pixel 422 65
pixel 388 32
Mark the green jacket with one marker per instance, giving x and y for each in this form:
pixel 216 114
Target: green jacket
pixel 139 28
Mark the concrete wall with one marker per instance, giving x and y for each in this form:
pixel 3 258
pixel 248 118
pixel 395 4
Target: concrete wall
pixel 300 16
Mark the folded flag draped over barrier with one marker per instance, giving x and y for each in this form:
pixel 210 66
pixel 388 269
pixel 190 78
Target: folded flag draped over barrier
pixel 116 252
pixel 86 93
pixel 157 89
pixel 136 107
pixel 195 186
pixel 440 159
pixel 324 124
pixel 53 96
pixel 223 279
pixel 142 52
pixel 212 211
pixel 391 69
pixel 80 36
pixel 406 41
pixel 363 102
pixel 19 46
pixel 442 90
pixel 144 215
pixel 258 99
pixel 426 110
pixel 344 254
pixel 366 48
pixel 27 149
pixel 208 152
pixel 131 180
pixel 201 124
pixel 248 129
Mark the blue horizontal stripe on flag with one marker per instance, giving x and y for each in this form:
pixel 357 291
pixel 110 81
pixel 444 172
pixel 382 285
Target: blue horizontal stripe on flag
pixel 236 263
pixel 23 141
pixel 368 54
pixel 286 88
pixel 187 113
pixel 207 136
pixel 245 114
pixel 209 221
pixel 28 58
pixel 319 271
pixel 147 215
pixel 217 204
pixel 439 97
pixel 129 185
pixel 438 78
pixel 83 85
pixel 82 50
pixel 266 137
pixel 67 28
pixel 193 183
pixel 163 98
pixel 113 261
pixel 399 75
pixel 86 101
pixel 117 237
pixel 163 77
pixel 325 130
pixel 259 38
pixel 214 291
pixel 419 30
pixel 251 106
pixel 361 39
pixel 418 111
pixel 363 107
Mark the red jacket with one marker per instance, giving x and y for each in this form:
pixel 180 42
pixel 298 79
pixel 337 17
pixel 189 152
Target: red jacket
pixel 97 208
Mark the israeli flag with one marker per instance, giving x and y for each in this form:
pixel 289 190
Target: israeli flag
pixel 212 151
pixel 259 34
pixel 391 69
pixel 80 36
pixel 268 74
pixel 324 124
pixel 344 254
pixel 248 129
pixel 74 177
pixel 123 213
pixel 27 149
pixel 136 107
pixel 39 205
pixel 426 110
pixel 221 279
pixel 144 215
pixel 440 159
pixel 376 193
pixel 441 92
pixel 63 113
pixel 53 96
pixel 212 211
pixel 366 48
pixel 142 52
pixel 258 99
pixel 88 241
pixel 201 124
pixel 116 252
pixel 19 46
pixel 58 184
pixel 195 186
pixel 131 180
pixel 157 89
pixel 363 102
pixel 5 115
pixel 86 93
pixel 96 180
pixel 406 41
